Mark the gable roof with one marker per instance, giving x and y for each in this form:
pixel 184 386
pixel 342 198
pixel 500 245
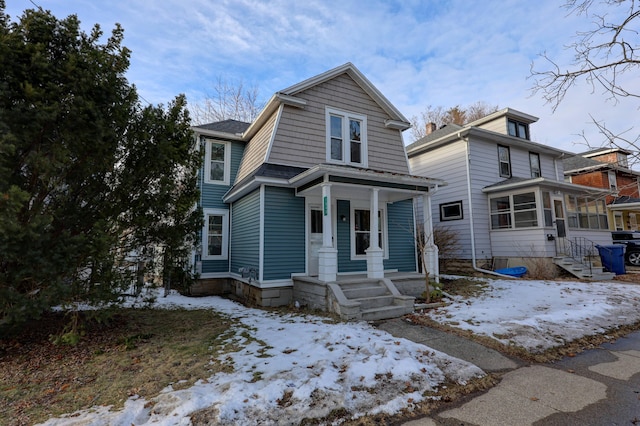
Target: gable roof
pixel 441 132
pixel 288 97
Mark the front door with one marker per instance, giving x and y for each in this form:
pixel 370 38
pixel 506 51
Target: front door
pixel 558 213
pixel 315 239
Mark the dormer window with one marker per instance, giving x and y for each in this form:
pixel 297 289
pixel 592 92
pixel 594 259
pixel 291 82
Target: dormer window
pixel 346 138
pixel 518 129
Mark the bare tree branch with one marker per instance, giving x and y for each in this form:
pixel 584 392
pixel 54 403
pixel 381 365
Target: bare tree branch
pixel 603 54
pixel 228 101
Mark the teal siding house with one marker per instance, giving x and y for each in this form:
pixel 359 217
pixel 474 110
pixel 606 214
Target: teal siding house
pixel 315 192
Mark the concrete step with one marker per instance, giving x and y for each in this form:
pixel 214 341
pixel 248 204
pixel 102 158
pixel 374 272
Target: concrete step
pixel 386 312
pixel 364 292
pixel 375 302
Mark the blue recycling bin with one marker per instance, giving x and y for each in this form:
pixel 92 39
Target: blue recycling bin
pixel 613 258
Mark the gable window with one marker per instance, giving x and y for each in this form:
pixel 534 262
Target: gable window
pixel 505 161
pixel 518 129
pixel 361 232
pixel 217 162
pixel 451 211
pixel 534 162
pixel 346 138
pixel 215 234
pixel 514 211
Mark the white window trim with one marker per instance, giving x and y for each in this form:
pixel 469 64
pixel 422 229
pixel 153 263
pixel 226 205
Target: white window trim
pixel 346 149
pixel 227 162
pixel 381 226
pixel 225 234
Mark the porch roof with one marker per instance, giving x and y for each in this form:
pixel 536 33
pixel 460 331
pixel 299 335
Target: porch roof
pixel 625 203
pixel 515 183
pixel 395 186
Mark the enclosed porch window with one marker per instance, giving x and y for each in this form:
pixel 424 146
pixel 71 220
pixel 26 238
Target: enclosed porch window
pixel 514 211
pixel 585 213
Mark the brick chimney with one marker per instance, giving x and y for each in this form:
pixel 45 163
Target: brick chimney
pixel 431 127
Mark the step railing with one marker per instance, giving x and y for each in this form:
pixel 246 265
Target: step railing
pixel 581 250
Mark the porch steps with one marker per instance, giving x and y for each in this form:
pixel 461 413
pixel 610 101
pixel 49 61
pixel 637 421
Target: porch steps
pixel 578 270
pixel 368 299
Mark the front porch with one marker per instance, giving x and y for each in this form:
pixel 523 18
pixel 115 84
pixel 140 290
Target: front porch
pixel 359 297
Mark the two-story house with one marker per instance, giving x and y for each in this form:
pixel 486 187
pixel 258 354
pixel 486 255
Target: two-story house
pixel 608 168
pixel 506 197
pixel 314 192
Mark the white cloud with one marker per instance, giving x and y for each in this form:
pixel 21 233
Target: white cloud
pixel 417 53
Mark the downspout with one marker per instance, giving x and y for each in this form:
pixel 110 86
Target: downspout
pixel 471 229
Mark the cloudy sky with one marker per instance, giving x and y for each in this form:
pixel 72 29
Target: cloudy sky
pixel 417 52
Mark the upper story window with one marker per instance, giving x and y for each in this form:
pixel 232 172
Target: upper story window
pixel 518 129
pixel 217 163
pixel 505 161
pixel 534 161
pixel 622 160
pixel 346 138
pixel 613 182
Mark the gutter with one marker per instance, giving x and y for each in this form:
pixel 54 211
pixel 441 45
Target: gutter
pixel 471 229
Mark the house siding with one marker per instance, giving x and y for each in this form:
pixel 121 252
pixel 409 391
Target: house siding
pixel 440 163
pixel 522 243
pixel 211 194
pixel 300 138
pixel 245 233
pixel 402 247
pixel 498 125
pixel 257 148
pixel 284 234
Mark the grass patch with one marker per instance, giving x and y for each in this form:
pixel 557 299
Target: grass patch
pixel 137 352
pixel 465 287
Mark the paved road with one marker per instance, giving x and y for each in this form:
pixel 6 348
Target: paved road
pixel 597 387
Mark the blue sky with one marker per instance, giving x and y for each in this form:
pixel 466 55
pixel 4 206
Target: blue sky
pixel 418 53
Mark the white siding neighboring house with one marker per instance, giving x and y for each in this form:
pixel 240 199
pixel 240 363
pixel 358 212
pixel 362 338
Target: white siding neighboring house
pixel 506 196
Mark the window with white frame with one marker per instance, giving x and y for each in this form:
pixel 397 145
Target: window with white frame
pixel 451 211
pixel 361 232
pixel 346 137
pixel 514 211
pixel 534 162
pixel 215 235
pixel 505 161
pixel 217 164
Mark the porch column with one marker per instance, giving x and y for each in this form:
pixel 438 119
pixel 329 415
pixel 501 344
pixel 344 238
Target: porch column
pixel 327 255
pixel 375 265
pixel 430 249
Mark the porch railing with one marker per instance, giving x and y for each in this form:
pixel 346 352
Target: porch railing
pixel 581 250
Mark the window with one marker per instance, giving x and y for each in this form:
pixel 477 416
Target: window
pixel 534 161
pixel 546 207
pixel 518 129
pixel 524 210
pixel 505 161
pixel 514 211
pixel 584 213
pixel 451 211
pixel 361 232
pixel 622 160
pixel 613 183
pixel 346 138
pixel 215 234
pixel 217 162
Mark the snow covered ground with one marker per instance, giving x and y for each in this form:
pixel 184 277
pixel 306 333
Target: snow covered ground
pixel 297 366
pixel 538 315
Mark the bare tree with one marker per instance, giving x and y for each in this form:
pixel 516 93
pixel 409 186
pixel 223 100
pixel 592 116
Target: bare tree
pixel 229 100
pixel 453 115
pixel 602 54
